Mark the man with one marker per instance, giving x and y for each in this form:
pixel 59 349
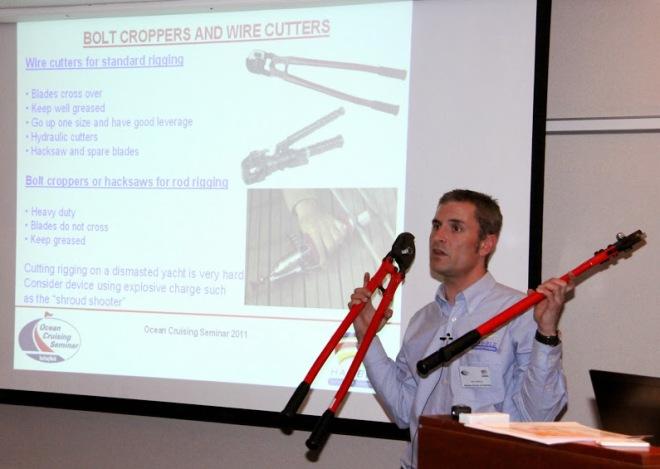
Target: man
pixel 520 363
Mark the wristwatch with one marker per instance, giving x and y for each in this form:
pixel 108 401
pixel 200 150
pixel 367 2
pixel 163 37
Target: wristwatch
pixel 551 340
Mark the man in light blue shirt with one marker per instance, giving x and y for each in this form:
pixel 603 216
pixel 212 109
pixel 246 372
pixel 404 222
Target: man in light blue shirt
pixel 517 369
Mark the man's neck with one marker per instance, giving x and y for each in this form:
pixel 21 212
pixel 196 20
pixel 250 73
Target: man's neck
pixel 454 286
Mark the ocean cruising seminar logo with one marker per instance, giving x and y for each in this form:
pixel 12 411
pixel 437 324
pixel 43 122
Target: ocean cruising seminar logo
pixel 49 339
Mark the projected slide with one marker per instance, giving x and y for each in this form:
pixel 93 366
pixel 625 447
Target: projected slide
pixel 198 192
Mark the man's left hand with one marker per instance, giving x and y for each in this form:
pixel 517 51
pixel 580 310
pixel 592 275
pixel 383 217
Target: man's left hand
pixel 548 311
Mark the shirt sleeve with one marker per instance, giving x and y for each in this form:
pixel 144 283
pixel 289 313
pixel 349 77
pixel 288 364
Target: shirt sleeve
pixel 393 381
pixel 538 386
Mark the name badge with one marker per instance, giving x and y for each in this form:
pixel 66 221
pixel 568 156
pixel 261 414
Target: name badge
pixel 475 376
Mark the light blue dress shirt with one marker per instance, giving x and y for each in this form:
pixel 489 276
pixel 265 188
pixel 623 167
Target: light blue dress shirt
pixel 526 377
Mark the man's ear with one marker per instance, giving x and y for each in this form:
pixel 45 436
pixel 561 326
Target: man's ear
pixel 487 245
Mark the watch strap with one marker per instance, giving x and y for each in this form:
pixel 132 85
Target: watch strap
pixel 551 340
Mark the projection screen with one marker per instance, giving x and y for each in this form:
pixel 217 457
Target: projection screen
pixel 191 198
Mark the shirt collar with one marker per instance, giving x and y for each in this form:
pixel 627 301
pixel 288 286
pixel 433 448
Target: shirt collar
pixel 472 295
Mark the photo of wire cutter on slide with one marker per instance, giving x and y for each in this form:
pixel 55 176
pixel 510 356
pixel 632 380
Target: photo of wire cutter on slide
pixel 271 65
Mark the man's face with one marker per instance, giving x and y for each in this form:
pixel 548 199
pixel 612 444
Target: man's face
pixel 455 249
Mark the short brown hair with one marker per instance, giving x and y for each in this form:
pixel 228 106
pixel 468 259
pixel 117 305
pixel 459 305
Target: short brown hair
pixel 487 209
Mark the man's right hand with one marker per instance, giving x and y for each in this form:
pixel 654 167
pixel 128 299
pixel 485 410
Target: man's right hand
pixel 362 321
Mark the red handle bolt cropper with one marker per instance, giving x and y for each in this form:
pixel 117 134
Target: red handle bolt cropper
pixel 458 346
pixel 403 255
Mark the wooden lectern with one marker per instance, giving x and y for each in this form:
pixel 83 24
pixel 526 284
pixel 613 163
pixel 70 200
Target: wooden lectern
pixel 444 442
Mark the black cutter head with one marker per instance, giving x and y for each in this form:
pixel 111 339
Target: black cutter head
pixel 403 251
pixel 625 243
pixel 256 62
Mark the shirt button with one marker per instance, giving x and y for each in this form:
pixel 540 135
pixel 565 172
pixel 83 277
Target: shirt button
pixel 453 319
